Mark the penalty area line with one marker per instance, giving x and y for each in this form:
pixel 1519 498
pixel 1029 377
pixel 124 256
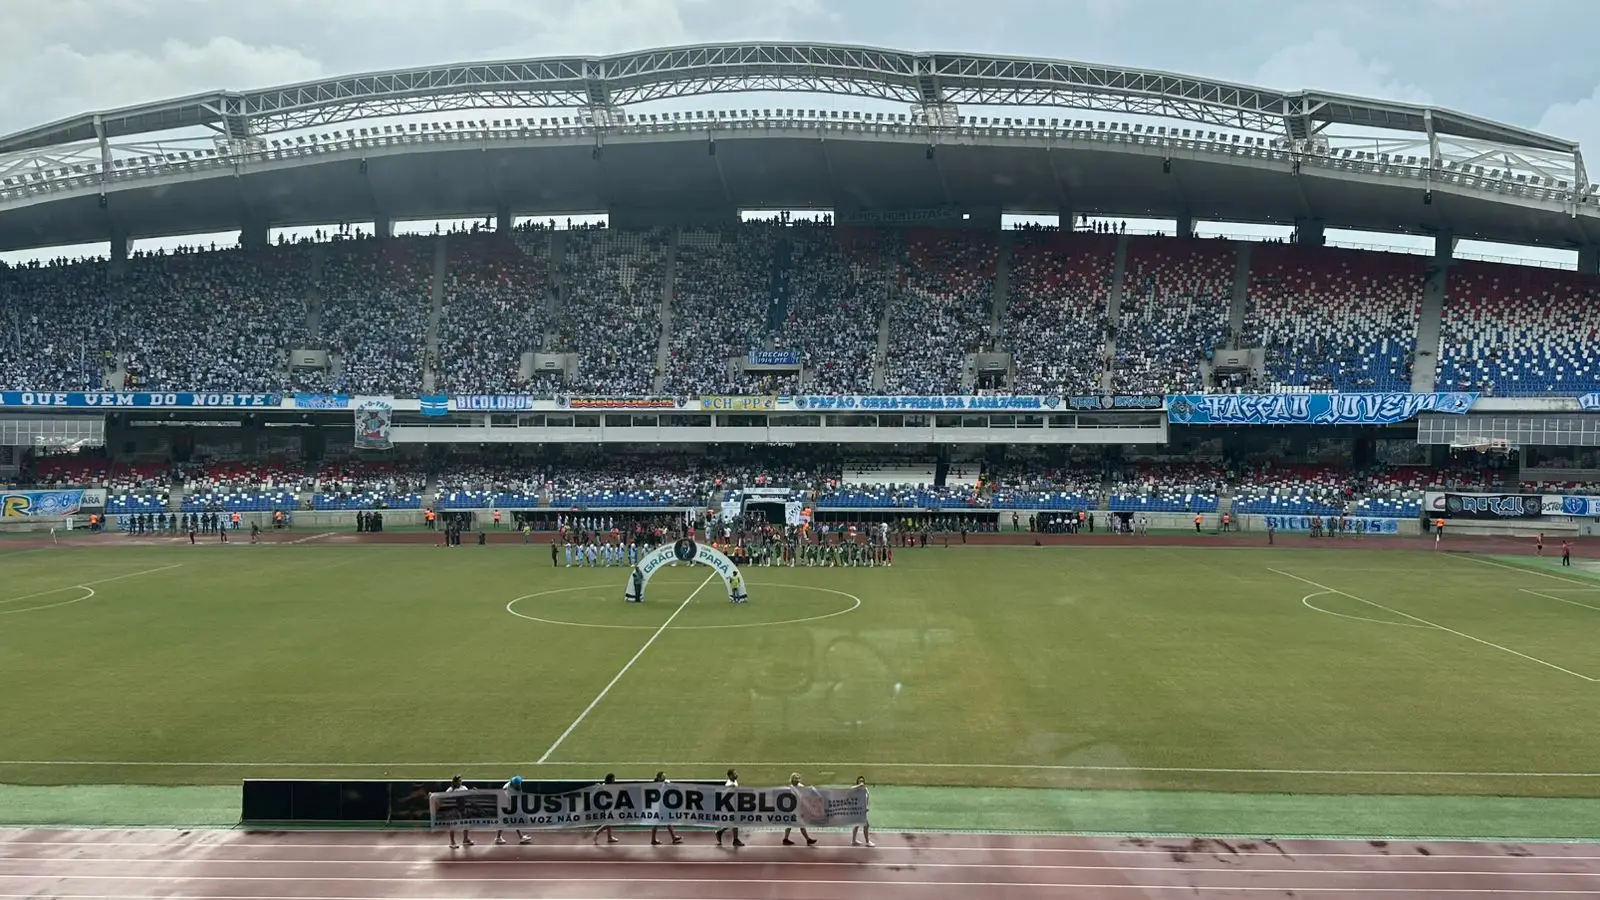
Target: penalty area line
pixel 1461 634
pixel 624 670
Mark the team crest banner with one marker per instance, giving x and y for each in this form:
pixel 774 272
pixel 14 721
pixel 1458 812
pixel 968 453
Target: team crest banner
pixel 48 504
pixel 651 804
pixel 372 424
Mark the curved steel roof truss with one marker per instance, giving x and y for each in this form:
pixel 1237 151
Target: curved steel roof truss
pixel 927 80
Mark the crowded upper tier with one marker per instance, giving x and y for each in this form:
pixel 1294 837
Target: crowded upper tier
pixel 790 307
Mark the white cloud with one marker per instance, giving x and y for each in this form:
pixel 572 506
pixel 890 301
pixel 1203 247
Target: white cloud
pixel 1577 120
pixel 1326 63
pixel 83 81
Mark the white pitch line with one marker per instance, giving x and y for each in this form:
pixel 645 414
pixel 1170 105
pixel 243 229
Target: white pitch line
pixel 73 587
pixel 1461 634
pixel 457 765
pixel 1559 599
pixel 306 540
pixel 1306 602
pixel 1525 571
pixel 607 689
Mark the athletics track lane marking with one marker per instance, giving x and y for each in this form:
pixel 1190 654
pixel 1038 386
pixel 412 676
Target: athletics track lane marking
pixel 628 665
pixel 1461 634
pixel 739 863
pixel 86 586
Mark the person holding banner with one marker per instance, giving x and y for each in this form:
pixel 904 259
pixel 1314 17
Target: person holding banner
pixel 794 782
pixel 606 829
pixel 733 782
pixel 466 836
pixel 514 786
pixel 864 830
pixel 661 778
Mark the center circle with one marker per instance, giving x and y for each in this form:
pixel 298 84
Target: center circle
pixel 854 605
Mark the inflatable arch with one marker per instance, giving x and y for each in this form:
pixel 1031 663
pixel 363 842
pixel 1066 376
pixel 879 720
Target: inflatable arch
pixel 687 551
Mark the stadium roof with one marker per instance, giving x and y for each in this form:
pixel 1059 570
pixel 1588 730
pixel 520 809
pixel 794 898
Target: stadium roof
pixel 628 78
pixel 334 150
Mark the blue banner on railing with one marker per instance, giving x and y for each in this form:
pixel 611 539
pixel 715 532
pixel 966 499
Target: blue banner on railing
pixel 495 403
pixel 1311 409
pixel 851 402
pixel 773 358
pixel 434 404
pixel 45 504
pixel 321 401
pixel 1589 401
pixel 1354 524
pixel 121 399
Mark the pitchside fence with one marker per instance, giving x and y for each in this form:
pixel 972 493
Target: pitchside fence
pixel 313 521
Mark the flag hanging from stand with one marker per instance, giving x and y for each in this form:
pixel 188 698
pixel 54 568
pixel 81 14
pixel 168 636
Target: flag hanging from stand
pixel 372 425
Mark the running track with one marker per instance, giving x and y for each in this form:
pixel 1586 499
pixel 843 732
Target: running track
pixel 232 865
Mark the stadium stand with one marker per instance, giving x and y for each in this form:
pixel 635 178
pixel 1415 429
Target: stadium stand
pixel 1055 318
pixel 1512 330
pixel 74 327
pixel 1334 319
pixel 367 282
pixel 610 313
pixel 496 307
pixel 1175 298
pixel 1168 487
pixel 838 286
pixel 941 312
pixel 1294 490
pixel 722 306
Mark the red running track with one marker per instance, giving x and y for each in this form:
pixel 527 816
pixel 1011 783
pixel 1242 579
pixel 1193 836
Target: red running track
pixel 234 865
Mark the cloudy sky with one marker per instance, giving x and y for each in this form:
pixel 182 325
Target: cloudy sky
pixel 1513 61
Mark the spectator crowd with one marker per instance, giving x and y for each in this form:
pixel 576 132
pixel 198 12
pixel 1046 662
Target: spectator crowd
pixel 897 311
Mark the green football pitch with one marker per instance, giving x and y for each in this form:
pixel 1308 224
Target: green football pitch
pixel 1250 670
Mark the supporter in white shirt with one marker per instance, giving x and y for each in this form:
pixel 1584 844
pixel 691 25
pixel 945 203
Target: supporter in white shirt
pixel 466 836
pixel 661 778
pixel 514 786
pixel 733 781
pixel 794 782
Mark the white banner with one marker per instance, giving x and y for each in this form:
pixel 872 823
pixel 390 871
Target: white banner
pixel 651 803
pixel 373 415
